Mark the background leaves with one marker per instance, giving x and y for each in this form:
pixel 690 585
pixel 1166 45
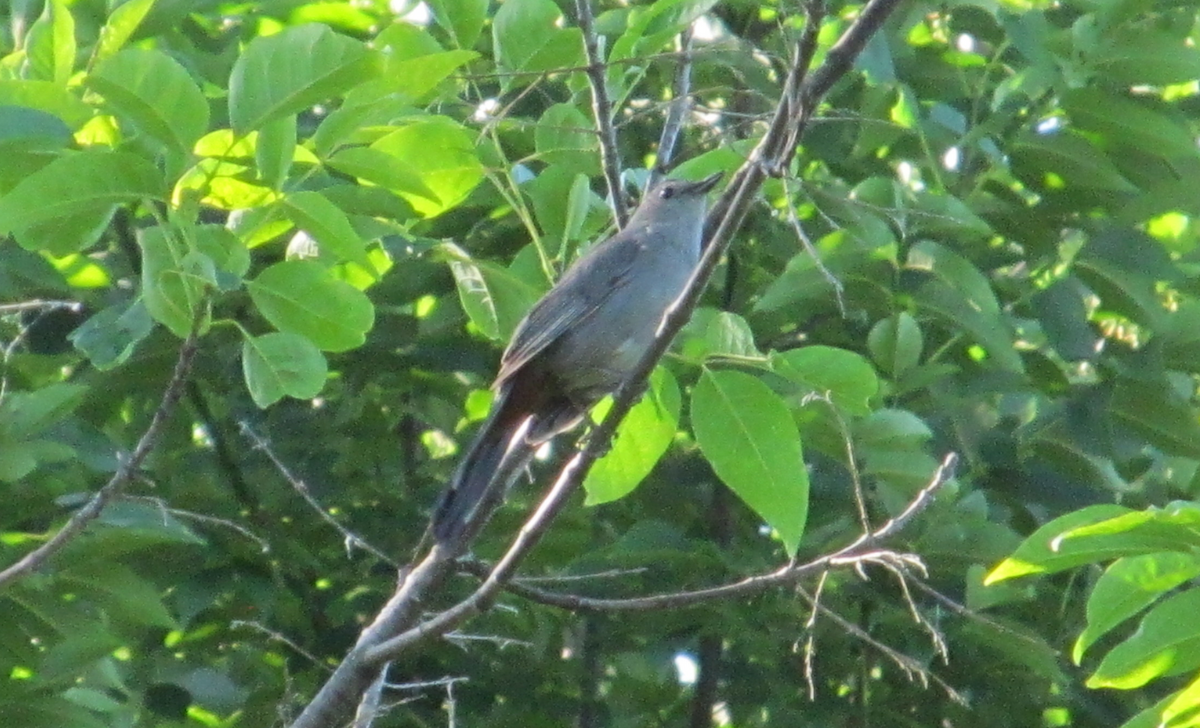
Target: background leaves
pixel 358 202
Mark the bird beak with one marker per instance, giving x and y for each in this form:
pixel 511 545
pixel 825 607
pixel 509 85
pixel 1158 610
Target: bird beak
pixel 706 184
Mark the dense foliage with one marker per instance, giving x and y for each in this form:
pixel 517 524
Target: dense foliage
pixel 346 208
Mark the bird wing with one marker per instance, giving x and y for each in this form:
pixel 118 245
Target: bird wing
pixel 573 300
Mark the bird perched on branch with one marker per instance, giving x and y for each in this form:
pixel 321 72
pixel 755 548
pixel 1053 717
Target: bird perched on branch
pixel 577 344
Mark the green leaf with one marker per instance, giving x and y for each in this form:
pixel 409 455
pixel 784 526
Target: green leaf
pixel 50 44
pixel 109 337
pixel 1123 290
pixel 562 204
pixel 1044 552
pixel 78 183
pixel 990 330
pixel 579 201
pixel 1128 586
pixel 288 72
pixel 156 93
pixel 69 234
pixel 655 24
pixel 277 365
pixel 493 298
pixel 123 595
pixel 1063 312
pixel 956 272
pixel 1166 643
pixel 1067 156
pixel 565 136
pixel 1129 120
pixel 143 523
pixel 120 27
pixel 1148 58
pixel 462 19
pixel 369 201
pixel 1171 527
pixel 443 153
pixel 175 281
pixel 747 434
pixel 302 297
pixel 417 78
pixel 891 429
pixel 895 343
pixel 1148 409
pixel 729 335
pixel 901 474
pixel 846 377
pixel 26 414
pixel 223 247
pixel 329 226
pixel 31 130
pixel 358 112
pixel 641 440
pixel 379 167
pixel 274 148
pixel 82 647
pixel 526 37
pixel 945 217
pixel 1181 711
pixel 404 41
pixel 48 712
pixel 48 97
pixel 16 461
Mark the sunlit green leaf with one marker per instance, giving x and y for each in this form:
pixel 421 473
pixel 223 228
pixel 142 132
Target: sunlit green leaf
pixel 301 297
pixel 641 439
pixel 277 365
pixel 288 72
pixel 746 432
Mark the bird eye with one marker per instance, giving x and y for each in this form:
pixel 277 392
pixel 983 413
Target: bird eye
pixel 667 192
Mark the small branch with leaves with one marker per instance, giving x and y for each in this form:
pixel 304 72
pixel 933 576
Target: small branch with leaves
pixel 126 471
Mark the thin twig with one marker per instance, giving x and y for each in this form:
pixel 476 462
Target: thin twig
pixel 37 305
pixel 911 668
pixel 502 642
pixel 677 109
pixel 480 569
pixel 935 635
pixel 166 510
pixel 811 249
pixel 860 498
pixel 607 574
pixel 810 642
pixel 638 60
pixel 369 708
pixel 444 682
pixel 351 538
pixel 971 614
pixel 125 471
pixel 597 75
pixel 282 639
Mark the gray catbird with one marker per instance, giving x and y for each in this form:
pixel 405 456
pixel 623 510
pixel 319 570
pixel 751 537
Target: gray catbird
pixel 579 342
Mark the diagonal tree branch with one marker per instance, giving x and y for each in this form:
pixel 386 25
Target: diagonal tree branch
pixel 125 471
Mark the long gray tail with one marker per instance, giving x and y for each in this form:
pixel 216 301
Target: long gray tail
pixel 498 454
